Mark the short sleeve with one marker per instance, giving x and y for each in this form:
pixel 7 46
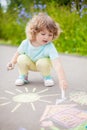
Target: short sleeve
pixel 53 53
pixel 22 48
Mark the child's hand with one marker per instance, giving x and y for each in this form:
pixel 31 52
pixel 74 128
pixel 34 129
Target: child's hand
pixel 10 66
pixel 63 84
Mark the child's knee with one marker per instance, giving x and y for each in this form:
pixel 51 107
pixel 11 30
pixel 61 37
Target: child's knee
pixel 42 63
pixel 21 58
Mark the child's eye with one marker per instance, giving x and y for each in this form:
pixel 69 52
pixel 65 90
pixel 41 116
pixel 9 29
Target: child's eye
pixel 42 33
pixel 50 35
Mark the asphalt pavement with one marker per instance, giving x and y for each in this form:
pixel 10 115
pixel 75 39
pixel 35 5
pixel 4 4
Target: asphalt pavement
pixel 33 106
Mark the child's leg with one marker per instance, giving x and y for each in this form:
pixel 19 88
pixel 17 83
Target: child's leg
pixel 25 64
pixel 44 66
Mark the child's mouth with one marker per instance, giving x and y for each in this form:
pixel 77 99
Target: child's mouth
pixel 45 41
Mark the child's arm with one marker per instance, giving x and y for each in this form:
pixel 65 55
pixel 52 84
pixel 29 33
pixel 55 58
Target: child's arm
pixel 60 72
pixel 13 61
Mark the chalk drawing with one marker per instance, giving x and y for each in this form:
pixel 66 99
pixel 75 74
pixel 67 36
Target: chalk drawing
pixel 67 116
pixel 79 97
pixel 25 97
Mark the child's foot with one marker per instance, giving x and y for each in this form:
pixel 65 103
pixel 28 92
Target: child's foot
pixel 23 79
pixel 48 81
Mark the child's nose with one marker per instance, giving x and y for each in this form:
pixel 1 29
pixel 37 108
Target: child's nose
pixel 46 37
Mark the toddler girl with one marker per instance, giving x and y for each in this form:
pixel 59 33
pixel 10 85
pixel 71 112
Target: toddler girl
pixel 38 53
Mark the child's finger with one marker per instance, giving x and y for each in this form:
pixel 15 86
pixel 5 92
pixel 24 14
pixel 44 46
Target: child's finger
pixel 10 66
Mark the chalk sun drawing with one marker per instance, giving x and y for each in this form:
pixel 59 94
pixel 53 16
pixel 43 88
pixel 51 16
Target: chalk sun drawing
pixel 25 97
pixel 79 97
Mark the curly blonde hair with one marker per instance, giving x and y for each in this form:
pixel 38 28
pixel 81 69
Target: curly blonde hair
pixel 40 22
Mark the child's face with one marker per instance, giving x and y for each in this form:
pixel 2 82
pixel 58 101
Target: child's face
pixel 44 37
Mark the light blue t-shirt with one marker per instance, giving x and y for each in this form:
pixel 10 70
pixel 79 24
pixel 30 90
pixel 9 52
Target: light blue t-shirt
pixel 35 53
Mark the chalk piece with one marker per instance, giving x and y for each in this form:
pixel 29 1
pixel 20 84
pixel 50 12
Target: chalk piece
pixel 62 93
pixel 63 98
